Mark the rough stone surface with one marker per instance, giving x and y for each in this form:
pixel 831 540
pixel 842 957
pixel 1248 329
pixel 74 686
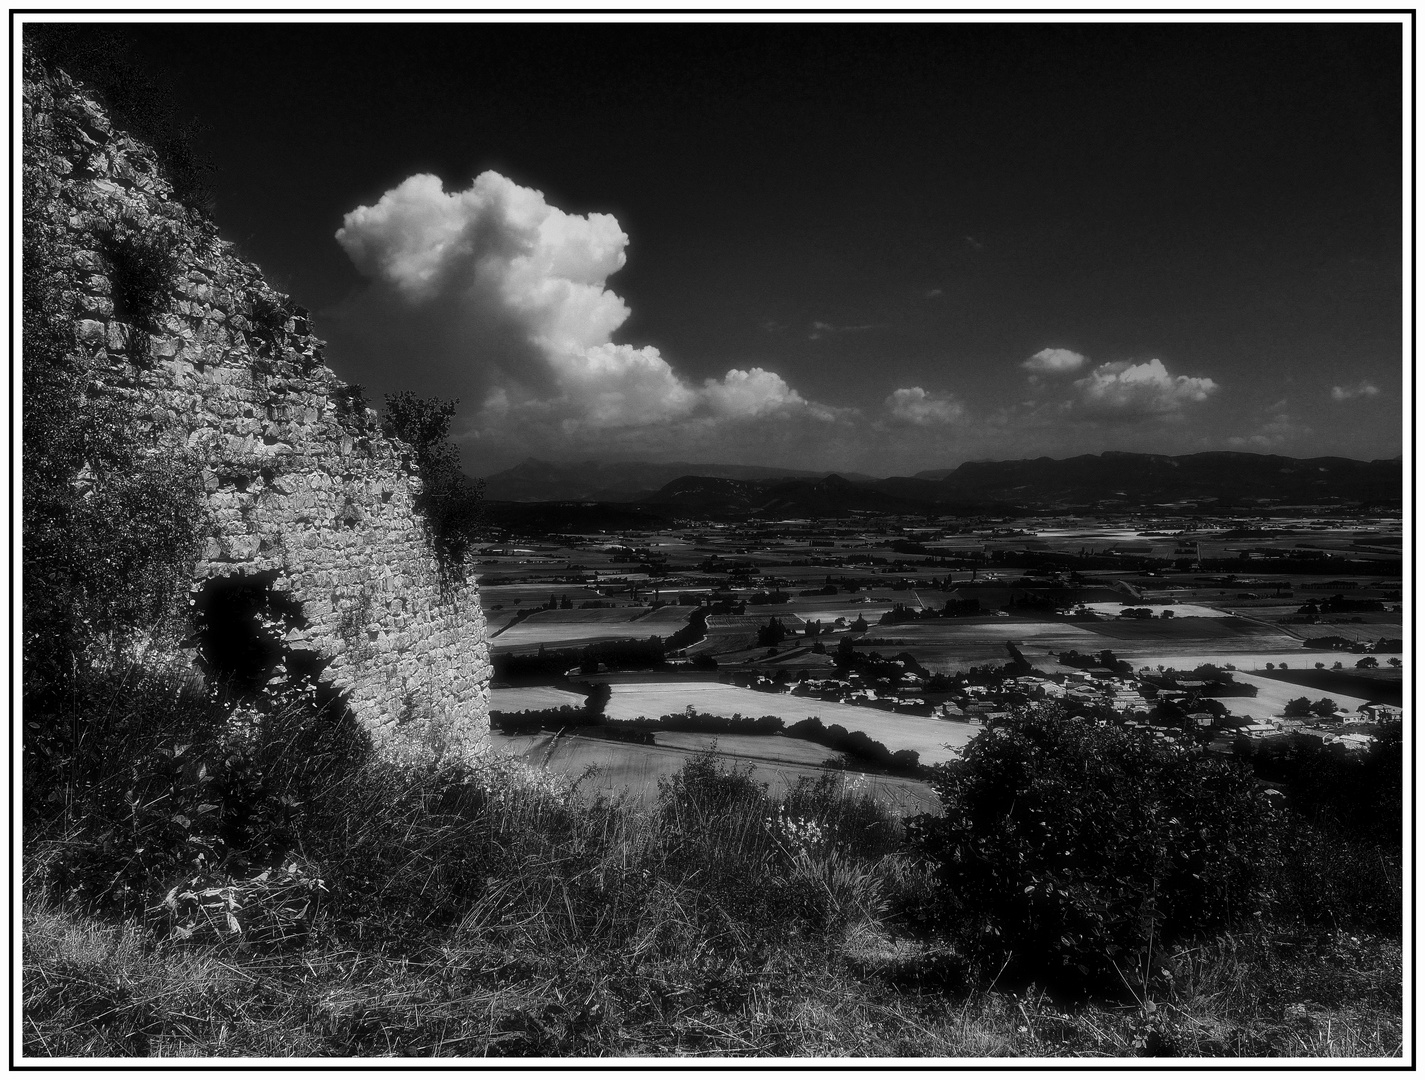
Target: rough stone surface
pixel 300 483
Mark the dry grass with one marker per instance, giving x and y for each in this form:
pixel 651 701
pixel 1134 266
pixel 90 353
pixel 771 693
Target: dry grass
pixel 499 911
pixel 500 986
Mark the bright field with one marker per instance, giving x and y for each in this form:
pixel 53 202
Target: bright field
pixel 524 698
pixel 1180 611
pixel 628 768
pixel 1272 697
pixel 863 605
pixel 934 740
pixel 777 749
pixel 592 624
pixel 1129 638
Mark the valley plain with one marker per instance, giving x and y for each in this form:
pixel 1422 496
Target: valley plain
pixel 918 629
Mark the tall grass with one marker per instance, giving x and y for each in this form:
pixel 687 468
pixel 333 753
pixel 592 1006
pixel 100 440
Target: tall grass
pixel 343 906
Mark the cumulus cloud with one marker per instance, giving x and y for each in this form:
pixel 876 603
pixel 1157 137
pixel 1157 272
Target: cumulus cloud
pixel 1361 389
pixel 614 385
pixel 1051 361
pixel 914 405
pixel 492 293
pixel 1129 390
pixel 743 394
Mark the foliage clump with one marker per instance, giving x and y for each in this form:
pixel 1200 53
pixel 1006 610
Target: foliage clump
pixel 449 501
pixel 1070 852
pixel 142 260
pixel 109 527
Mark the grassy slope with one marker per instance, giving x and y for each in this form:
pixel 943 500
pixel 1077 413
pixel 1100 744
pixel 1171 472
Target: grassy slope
pixel 512 918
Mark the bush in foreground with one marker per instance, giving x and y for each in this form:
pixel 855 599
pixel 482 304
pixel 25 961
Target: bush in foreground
pixel 1072 854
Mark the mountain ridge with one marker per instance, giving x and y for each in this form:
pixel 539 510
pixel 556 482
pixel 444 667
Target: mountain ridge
pixel 1111 479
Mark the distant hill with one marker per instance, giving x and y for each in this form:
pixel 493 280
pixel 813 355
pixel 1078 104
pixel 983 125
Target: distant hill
pixel 1220 477
pixel 1109 480
pixel 783 498
pixel 533 480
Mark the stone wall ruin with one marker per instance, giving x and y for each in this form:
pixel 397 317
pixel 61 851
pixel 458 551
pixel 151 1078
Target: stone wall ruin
pixel 313 562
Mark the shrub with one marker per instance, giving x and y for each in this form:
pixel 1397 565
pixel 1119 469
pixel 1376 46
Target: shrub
pixel 143 261
pixel 141 781
pixel 853 819
pixel 1071 852
pixel 268 313
pixel 449 501
pixel 703 787
pixel 762 870
pixel 109 527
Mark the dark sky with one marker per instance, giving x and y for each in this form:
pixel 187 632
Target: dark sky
pixel 847 244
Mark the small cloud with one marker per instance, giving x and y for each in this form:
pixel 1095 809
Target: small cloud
pixel 972 242
pixel 1054 361
pixel 914 405
pixel 1140 390
pixel 1346 393
pixel 821 329
pixel 931 294
pixel 1278 428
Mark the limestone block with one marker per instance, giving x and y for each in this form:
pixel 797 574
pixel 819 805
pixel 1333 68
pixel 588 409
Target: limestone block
pixel 91 332
pixel 96 307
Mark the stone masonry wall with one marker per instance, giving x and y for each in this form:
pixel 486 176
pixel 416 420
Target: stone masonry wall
pixel 303 492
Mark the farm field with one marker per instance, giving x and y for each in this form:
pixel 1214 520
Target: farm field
pixel 934 740
pixel 633 771
pixel 849 611
pixel 1373 625
pixel 590 624
pixel 731 633
pixel 949 645
pixel 1130 637
pixel 511 597
pixel 1272 696
pixel 1385 687
pixel 524 698
pixel 774 748
pixel 751 622
pixel 1277 567
pixel 1180 611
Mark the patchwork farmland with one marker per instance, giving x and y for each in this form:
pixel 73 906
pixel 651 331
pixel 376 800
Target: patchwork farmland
pixel 916 636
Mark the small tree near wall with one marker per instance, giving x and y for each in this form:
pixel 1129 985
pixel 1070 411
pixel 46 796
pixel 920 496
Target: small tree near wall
pixel 450 502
